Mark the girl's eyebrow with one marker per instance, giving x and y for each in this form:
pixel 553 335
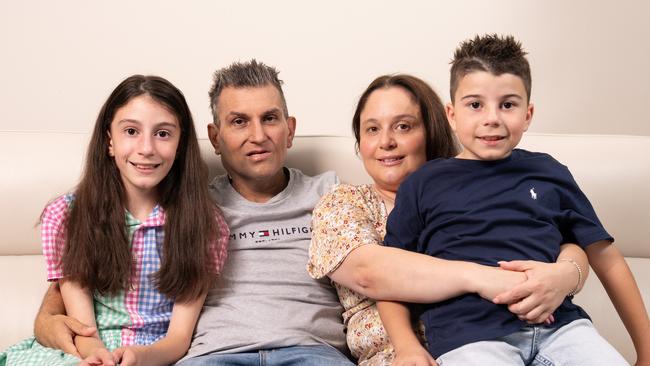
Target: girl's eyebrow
pixel 157 125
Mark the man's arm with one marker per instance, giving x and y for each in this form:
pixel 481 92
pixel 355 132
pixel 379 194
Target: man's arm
pixel 53 328
pixel 616 277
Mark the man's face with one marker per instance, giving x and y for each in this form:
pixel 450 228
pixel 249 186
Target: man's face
pixel 252 134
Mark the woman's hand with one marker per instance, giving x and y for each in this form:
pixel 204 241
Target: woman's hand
pixel 535 300
pixel 492 281
pixel 414 356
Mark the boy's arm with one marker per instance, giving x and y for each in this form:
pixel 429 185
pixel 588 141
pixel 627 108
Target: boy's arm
pixel 408 351
pixel 616 277
pixel 174 345
pixel 53 328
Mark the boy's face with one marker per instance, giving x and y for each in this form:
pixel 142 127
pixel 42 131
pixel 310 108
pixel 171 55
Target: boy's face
pixel 489 115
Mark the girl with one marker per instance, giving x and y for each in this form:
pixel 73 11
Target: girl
pixel 137 246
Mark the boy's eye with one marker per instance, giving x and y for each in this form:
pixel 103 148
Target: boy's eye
pixel 475 105
pixel 507 105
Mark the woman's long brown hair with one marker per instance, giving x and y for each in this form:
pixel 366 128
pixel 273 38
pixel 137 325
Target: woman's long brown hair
pixel 97 252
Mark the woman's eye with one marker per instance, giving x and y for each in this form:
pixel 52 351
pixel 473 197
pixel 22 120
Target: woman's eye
pixel 403 127
pixel 372 129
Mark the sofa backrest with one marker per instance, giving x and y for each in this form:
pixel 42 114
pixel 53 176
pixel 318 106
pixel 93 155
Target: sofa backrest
pixel 614 172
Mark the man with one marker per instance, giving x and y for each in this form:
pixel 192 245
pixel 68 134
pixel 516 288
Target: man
pixel 264 308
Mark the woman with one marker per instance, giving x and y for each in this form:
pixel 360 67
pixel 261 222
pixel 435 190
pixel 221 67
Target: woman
pixel 399 124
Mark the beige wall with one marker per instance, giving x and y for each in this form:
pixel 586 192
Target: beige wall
pixel 60 59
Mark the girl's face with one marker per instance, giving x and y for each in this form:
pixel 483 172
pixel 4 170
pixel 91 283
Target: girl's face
pixel 143 139
pixel 392 137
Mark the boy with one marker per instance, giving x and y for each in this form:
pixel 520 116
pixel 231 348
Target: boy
pixel 494 202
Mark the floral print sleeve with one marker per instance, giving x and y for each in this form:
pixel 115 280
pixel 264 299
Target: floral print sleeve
pixel 343 220
pixel 219 247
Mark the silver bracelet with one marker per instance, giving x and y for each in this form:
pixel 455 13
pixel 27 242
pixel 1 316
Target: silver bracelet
pixel 576 289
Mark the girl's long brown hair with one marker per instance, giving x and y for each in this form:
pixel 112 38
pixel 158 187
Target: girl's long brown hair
pixel 97 252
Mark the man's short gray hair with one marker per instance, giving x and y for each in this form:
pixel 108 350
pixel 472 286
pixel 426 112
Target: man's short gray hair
pixel 245 75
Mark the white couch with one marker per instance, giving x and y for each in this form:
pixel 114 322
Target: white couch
pixel 614 171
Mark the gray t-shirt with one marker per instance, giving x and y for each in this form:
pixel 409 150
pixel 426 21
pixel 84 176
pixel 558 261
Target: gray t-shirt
pixel 264 297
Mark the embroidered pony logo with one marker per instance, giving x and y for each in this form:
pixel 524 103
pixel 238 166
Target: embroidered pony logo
pixel 533 194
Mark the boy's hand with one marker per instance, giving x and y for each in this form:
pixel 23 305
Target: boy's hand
pixel 414 356
pixel 535 300
pixel 101 356
pixel 130 356
pixel 58 331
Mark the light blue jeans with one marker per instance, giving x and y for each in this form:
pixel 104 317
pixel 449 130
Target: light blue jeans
pixel 577 343
pixel 319 355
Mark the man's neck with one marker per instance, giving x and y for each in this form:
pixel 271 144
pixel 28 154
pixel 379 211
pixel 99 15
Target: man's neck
pixel 261 190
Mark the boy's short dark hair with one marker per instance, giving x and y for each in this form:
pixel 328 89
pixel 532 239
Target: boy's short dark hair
pixel 491 53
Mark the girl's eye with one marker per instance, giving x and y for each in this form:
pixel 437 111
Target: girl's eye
pixel 163 134
pixel 131 131
pixel 475 105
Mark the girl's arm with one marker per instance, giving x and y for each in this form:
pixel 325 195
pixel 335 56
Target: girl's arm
pixel 174 345
pixel 616 277
pixel 397 321
pixel 79 305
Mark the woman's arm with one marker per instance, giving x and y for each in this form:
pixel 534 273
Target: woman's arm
pixel 616 277
pixel 380 272
pixel 396 318
pixel 171 347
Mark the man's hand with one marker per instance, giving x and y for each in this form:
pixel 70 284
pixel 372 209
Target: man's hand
pixel 58 331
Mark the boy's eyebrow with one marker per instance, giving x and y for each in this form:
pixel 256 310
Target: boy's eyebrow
pixel 513 95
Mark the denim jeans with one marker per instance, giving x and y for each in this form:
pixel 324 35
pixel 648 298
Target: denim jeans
pixel 320 355
pixel 577 343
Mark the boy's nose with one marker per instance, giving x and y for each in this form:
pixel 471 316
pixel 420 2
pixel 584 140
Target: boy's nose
pixel 492 117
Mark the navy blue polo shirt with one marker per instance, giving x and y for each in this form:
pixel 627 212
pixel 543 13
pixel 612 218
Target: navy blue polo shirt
pixel 522 207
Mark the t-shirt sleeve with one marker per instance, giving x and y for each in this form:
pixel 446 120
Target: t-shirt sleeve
pixel 405 224
pixel 219 246
pixel 53 236
pixel 341 222
pixel 579 223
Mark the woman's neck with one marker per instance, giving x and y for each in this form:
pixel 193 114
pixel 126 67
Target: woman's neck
pixel 387 196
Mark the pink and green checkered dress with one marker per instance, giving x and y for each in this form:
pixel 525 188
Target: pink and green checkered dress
pixel 138 316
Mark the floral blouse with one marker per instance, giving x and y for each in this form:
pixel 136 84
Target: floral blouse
pixel 345 219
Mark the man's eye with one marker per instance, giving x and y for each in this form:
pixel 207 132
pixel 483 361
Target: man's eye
pixel 270 118
pixel 238 121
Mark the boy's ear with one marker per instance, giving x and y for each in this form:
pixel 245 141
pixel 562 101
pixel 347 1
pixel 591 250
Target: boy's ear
pixel 451 115
pixel 111 152
pixel 529 115
pixel 213 135
pixel 291 124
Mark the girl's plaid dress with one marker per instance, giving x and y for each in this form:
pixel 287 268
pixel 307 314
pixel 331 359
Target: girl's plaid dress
pixel 137 316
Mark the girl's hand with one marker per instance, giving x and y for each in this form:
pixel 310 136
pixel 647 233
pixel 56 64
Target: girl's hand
pixel 130 356
pixel 415 356
pixel 101 356
pixel 535 300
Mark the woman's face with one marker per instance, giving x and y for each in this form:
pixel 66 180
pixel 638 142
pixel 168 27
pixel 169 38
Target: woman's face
pixel 392 137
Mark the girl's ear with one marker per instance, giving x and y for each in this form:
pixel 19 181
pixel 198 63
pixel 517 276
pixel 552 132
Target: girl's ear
pixel 110 145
